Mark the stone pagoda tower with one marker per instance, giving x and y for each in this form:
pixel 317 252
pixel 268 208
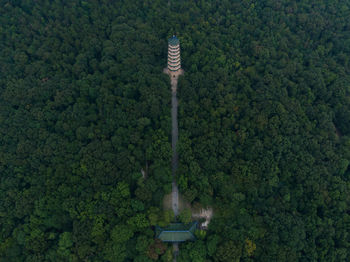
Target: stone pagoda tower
pixel 173 68
pixel 174 60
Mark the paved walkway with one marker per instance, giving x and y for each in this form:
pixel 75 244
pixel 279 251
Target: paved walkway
pixel 174 138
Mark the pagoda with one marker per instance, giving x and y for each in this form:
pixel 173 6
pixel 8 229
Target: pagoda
pixel 174 60
pixel 173 68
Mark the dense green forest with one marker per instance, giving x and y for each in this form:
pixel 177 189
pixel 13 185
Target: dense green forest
pixel 264 129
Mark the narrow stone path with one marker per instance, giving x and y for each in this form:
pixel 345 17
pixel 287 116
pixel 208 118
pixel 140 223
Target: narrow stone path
pixel 174 138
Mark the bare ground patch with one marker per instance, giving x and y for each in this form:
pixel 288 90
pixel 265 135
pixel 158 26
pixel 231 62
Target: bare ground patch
pixel 206 213
pixel 182 202
pixel 167 202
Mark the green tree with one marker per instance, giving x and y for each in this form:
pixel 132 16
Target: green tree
pixel 64 244
pixel 185 216
pixel 229 251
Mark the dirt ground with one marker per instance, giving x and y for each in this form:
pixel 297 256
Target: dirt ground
pixel 168 205
pixel 203 213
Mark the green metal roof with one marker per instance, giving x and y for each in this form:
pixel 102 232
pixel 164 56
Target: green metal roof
pixel 173 41
pixel 177 232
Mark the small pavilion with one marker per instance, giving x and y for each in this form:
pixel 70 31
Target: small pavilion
pixel 177 232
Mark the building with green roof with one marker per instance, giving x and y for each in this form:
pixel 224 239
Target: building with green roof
pixel 177 232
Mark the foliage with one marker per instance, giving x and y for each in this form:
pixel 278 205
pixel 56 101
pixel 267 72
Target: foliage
pixel 168 256
pixel 155 249
pixel 185 216
pixel 229 251
pixel 264 128
pixel 249 247
pixel 200 234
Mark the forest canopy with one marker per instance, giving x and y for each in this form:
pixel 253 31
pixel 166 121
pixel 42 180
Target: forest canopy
pixel 264 129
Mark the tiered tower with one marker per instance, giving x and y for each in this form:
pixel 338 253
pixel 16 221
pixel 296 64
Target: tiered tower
pixel 174 61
